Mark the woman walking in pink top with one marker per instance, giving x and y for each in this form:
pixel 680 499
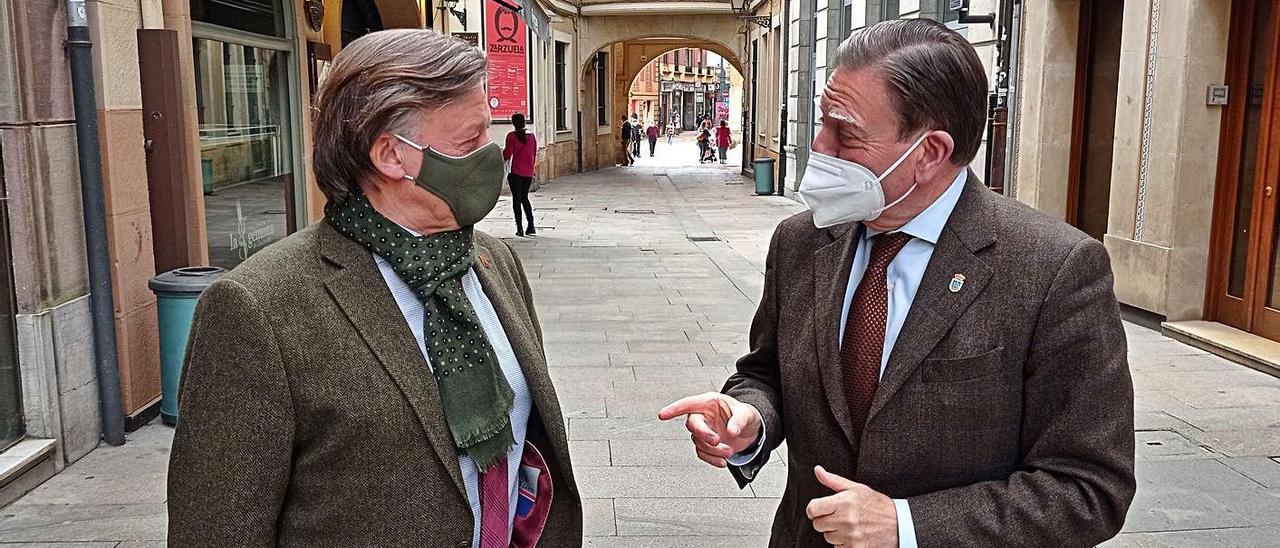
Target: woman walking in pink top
pixel 521 150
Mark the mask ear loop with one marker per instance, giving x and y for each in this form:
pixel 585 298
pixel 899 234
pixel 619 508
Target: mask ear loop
pixel 904 156
pixel 417 146
pixel 895 166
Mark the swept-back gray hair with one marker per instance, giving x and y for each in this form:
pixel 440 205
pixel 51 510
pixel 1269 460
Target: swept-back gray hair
pixel 378 83
pixel 935 78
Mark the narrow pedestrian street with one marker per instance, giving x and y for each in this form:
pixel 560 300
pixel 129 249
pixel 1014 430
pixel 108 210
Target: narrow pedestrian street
pixel 646 280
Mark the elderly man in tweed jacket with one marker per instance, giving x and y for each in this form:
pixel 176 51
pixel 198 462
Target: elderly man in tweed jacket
pixel 378 379
pixel 947 366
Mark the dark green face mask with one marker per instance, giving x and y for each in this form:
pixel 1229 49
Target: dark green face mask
pixel 470 185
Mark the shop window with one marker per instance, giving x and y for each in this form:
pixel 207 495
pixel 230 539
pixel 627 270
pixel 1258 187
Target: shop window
pixel 264 17
pixel 562 102
pixel 602 88
pixel 11 423
pixel 246 149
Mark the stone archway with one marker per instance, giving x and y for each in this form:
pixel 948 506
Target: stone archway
pixel 719 33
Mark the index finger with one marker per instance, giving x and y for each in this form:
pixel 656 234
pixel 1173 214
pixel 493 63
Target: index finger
pixel 701 403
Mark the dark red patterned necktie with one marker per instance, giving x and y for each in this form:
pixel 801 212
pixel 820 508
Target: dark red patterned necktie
pixel 863 347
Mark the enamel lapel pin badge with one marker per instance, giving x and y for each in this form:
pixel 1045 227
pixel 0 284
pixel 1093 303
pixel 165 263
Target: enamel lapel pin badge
pixel 484 261
pixel 957 283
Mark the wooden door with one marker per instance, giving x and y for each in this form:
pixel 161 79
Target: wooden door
pixel 1244 278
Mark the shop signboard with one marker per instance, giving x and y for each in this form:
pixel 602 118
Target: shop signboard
pixel 506 42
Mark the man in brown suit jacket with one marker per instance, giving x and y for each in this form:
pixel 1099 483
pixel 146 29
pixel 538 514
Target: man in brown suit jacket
pixel 946 371
pixel 319 403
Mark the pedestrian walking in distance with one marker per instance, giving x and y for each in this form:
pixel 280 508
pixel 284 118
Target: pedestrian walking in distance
pixel 522 151
pixel 624 135
pixel 723 140
pixel 378 378
pixel 704 143
pixel 637 135
pixel 652 132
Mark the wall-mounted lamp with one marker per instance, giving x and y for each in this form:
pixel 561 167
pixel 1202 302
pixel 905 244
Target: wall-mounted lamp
pixel 451 6
pixel 962 7
pixel 740 7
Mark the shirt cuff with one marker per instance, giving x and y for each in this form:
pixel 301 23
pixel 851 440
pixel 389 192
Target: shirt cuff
pixel 746 456
pixel 906 527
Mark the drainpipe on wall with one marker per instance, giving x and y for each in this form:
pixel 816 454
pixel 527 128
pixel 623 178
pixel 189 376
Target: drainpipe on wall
pixel 786 96
pixel 80 55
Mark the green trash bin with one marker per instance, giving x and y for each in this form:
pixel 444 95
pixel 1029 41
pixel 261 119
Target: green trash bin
pixel 206 175
pixel 764 176
pixel 176 293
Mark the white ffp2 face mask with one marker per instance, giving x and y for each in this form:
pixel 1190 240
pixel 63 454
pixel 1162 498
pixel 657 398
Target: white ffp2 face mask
pixel 839 191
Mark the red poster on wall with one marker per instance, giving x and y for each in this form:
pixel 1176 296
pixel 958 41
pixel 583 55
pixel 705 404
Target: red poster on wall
pixel 506 39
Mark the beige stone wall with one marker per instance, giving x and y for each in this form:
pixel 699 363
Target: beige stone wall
pixel 1161 197
pixel 114 24
pixel 1166 140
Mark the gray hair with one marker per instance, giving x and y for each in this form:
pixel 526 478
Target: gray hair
pixel 381 82
pixel 935 78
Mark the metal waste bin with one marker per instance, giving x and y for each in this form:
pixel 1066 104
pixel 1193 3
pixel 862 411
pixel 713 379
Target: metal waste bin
pixel 176 293
pixel 764 176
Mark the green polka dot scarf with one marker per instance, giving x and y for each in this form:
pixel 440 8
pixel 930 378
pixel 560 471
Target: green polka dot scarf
pixel 476 397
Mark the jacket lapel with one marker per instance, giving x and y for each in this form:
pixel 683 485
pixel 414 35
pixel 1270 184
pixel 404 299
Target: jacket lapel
pixel 502 292
pixel 936 307
pixel 367 302
pixel 831 266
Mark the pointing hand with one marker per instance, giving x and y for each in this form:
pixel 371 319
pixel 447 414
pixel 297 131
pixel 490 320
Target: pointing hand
pixel 719 425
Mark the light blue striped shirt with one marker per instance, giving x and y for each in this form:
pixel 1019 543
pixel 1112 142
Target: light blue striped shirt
pixel 412 310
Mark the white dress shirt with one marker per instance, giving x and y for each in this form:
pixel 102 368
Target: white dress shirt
pixel 903 279
pixel 412 310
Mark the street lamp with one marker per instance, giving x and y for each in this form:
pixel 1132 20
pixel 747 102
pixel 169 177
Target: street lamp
pixel 740 7
pixel 451 6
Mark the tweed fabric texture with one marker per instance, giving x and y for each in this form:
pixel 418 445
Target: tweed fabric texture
pixel 307 418
pixel 1005 412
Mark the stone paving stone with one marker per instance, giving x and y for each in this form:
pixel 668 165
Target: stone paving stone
pixel 1213 538
pixel 1265 471
pixel 583 408
pixel 1189 476
pixel 6 544
pixel 676 542
pixel 576 374
pixel 689 347
pixel 1259 442
pixel 655 453
pixel 1167 445
pixel 622 482
pixel 590 452
pixel 598 519
pixel 84 522
pixel 640 428
pixel 636 407
pixel 1258 506
pixel 714 374
pixel 694 517
pixel 1181 511
pixel 655 359
pixel 625 336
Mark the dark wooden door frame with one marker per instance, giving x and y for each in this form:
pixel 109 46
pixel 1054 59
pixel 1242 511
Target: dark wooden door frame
pixel 1084 47
pixel 1248 311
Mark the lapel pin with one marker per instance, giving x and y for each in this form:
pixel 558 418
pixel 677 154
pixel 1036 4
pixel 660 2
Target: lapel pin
pixel 484 261
pixel 956 283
